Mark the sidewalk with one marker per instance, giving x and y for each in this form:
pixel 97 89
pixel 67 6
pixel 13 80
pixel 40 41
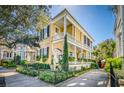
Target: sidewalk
pixel 93 78
pixel 15 79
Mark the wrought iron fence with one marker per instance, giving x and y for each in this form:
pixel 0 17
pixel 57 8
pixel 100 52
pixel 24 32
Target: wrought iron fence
pixel 113 78
pixel 2 82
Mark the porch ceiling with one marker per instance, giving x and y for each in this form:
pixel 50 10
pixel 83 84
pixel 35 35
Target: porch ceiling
pixel 60 23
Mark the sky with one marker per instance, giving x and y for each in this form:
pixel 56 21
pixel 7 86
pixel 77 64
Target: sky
pixel 97 20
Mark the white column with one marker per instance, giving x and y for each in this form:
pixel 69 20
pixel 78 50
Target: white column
pixel 1 54
pixel 75 54
pixel 75 33
pixel 82 54
pixel 65 25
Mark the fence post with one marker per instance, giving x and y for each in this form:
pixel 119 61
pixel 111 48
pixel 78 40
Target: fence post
pixel 2 82
pixel 112 76
pixel 55 77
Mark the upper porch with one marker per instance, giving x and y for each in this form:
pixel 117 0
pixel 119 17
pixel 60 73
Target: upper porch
pixel 76 35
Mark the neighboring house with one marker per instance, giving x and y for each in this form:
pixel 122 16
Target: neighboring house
pixel 25 52
pixel 118 30
pixel 80 43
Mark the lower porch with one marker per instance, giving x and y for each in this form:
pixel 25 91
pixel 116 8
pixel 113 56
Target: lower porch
pixel 76 54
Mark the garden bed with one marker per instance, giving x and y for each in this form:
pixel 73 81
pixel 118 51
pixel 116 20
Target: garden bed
pixel 49 76
pixel 27 71
pixel 55 77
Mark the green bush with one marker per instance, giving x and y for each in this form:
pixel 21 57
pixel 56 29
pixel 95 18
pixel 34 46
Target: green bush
pixel 119 73
pixel 116 63
pixel 44 59
pixel 72 59
pixel 38 58
pixel 8 63
pixel 40 66
pixel 79 59
pixel 94 65
pixel 27 71
pixel 23 62
pixel 47 76
pixel 85 60
pixel 55 76
pixel 59 76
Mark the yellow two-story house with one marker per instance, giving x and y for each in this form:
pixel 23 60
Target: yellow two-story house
pixel 80 43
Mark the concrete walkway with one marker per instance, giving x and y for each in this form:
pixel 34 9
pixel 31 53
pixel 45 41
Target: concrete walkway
pixel 15 79
pixel 93 78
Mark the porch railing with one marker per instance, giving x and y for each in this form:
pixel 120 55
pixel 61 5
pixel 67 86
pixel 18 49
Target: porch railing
pixel 71 38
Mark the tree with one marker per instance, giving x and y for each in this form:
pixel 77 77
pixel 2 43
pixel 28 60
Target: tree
pixel 19 24
pixel 105 49
pixel 65 55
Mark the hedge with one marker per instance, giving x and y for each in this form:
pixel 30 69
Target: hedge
pixel 119 73
pixel 8 63
pixel 94 65
pixel 55 76
pixel 40 66
pixel 27 71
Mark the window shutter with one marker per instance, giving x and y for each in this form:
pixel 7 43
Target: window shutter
pixel 47 52
pixel 48 31
pixel 42 51
pixel 43 34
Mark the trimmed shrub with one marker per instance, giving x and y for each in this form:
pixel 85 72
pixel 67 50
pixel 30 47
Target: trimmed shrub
pixel 85 60
pixel 40 66
pixel 116 63
pixel 59 76
pixel 119 73
pixel 44 59
pixel 55 76
pixel 8 63
pixel 71 59
pixel 23 62
pixel 80 59
pixel 27 71
pixel 38 58
pixel 94 65
pixel 47 76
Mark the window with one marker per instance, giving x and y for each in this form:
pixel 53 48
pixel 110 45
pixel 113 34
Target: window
pixel 70 54
pixel 10 54
pixel 84 39
pixel 91 44
pixel 88 42
pixel 40 52
pixel 44 33
pixel 80 36
pixel 57 30
pixel 46 51
pixel 7 55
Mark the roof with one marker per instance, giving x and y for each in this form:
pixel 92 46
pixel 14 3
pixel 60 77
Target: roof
pixel 66 11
